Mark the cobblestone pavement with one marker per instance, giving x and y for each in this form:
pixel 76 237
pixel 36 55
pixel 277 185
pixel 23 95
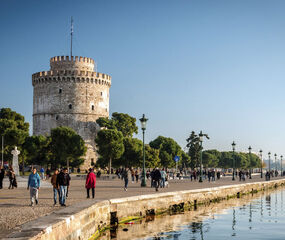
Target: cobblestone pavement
pixel 15 209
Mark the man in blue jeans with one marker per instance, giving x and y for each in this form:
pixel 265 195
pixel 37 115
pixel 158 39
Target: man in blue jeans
pixel 163 176
pixel 126 175
pixel 62 182
pixel 55 187
pixel 34 186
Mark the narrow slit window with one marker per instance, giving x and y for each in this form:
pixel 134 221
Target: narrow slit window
pixel 60 91
pixel 92 107
pixel 70 106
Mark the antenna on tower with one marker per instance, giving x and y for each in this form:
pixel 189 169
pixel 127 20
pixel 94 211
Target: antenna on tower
pixel 71 35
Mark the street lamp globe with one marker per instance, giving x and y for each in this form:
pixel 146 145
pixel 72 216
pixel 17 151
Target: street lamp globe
pixel 143 121
pixel 249 149
pixel 201 136
pixel 234 146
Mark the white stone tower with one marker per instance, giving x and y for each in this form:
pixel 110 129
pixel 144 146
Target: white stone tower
pixel 71 94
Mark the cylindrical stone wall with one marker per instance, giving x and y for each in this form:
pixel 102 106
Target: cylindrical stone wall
pixel 71 95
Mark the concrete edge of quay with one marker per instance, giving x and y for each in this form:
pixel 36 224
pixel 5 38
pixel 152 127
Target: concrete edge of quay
pixel 85 219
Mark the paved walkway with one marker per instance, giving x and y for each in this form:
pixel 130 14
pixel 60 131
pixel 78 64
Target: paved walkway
pixel 15 209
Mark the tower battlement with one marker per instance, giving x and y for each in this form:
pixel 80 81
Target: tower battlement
pixel 72 63
pixel 71 73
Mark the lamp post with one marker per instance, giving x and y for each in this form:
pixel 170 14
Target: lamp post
pixel 201 141
pixel 234 148
pixel 269 166
pixel 281 158
pixel 143 121
pixel 249 150
pixel 2 163
pixel 261 173
pixel 275 155
pixel 201 135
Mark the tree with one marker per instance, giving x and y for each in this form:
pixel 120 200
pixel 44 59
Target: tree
pixel 168 149
pixel 14 129
pixel 105 122
pixel 110 146
pixel 194 149
pixel 125 123
pixel 133 152
pixel 132 148
pixel 226 160
pixel 37 149
pixel 211 158
pixel 254 161
pixel 185 160
pixel 151 157
pixel 121 122
pixel 67 147
pixel 8 114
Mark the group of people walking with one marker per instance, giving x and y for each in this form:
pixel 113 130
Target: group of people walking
pixel 60 181
pixel 272 173
pixel 12 178
pixel 134 173
pixel 211 174
pixel 159 178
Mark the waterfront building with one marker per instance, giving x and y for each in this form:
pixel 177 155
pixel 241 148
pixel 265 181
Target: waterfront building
pixel 71 94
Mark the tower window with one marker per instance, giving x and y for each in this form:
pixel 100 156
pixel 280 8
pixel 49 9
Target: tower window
pixel 70 106
pixel 92 107
pixel 101 93
pixel 56 118
pixel 60 90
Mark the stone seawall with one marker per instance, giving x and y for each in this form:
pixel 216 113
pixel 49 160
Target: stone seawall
pixel 83 220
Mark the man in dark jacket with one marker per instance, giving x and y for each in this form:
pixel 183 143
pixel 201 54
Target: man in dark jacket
pixel 2 174
pixel 55 187
pixel 156 178
pixel 62 182
pixel 126 174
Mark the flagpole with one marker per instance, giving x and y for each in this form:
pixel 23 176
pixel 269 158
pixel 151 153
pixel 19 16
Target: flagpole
pixel 71 35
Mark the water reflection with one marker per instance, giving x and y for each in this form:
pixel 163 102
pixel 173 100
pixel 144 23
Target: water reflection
pixel 234 222
pixel 260 216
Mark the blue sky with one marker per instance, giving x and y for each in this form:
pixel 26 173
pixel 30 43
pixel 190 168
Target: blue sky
pixel 216 66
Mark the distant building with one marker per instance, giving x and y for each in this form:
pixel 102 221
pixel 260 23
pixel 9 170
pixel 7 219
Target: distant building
pixel 71 94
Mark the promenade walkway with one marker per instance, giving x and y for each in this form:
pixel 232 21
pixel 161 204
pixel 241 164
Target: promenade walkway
pixel 15 209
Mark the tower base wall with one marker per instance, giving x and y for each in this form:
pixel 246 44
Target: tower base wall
pixel 43 123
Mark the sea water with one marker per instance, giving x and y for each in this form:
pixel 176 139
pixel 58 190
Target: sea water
pixel 257 216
